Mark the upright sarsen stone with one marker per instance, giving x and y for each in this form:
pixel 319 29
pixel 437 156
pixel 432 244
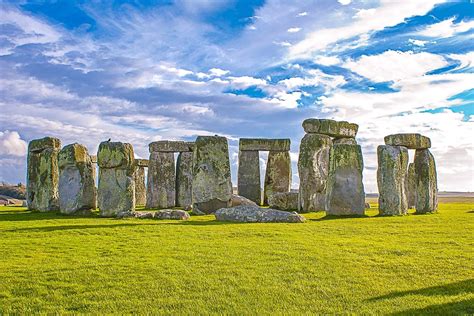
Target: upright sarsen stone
pixel 42 192
pixel 212 186
pixel 184 180
pixel 161 180
pixel 116 190
pixel 277 175
pixel 77 191
pixel 313 169
pixel 248 180
pixel 410 185
pixel 391 173
pixel 426 182
pixel 345 191
pixel 140 187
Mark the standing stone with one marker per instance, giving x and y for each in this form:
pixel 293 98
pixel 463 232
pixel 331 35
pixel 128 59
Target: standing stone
pixel 212 186
pixel 426 182
pixel 391 173
pixel 184 180
pixel 116 191
pixel 313 169
pixel 77 190
pixel 161 188
pixel 43 174
pixel 410 185
pixel 248 180
pixel 140 187
pixel 278 174
pixel 345 190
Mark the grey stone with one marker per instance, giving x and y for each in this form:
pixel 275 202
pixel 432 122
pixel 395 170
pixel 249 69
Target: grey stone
pixel 426 182
pixel 172 214
pixel 170 146
pixel 93 158
pixel 264 144
pixel 344 141
pixel 339 129
pixel 125 214
pixel 391 173
pixel 248 180
pixel 161 185
pixel 140 187
pixel 345 190
pixel 255 214
pixel 141 162
pixel 409 140
pixel 287 201
pixel 77 191
pixel 240 200
pixel 115 155
pixel 410 186
pixel 42 188
pixel 212 186
pixel 144 215
pixel 184 180
pixel 313 169
pixel 277 175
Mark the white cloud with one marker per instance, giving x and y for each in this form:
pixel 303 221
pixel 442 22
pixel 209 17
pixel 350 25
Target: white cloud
pixel 303 13
pixel 218 72
pixel 344 2
pixel 246 81
pixel 294 30
pixel 364 13
pixel 446 28
pixel 284 44
pixel 11 144
pixel 466 60
pixel 327 60
pixel 417 42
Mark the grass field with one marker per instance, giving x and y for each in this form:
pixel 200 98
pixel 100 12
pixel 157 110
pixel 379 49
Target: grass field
pixel 371 265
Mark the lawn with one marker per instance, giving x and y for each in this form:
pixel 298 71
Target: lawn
pixel 371 265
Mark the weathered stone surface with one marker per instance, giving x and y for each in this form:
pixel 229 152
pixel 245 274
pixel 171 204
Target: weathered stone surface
pixel 264 144
pixel 409 140
pixel 93 158
pixel 240 200
pixel 42 189
pixel 277 175
pixel 287 201
pixel 184 180
pixel 426 182
pixel 141 162
pixel 116 191
pixel 161 185
pixel 410 185
pixel 212 186
pixel 313 169
pixel 331 128
pixel 140 187
pixel 255 214
pixel 391 173
pixel 172 214
pixel 248 180
pixel 77 191
pixel 171 146
pixel 345 191
pixel 344 141
pixel 144 215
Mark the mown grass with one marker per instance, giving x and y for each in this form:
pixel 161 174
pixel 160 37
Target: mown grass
pixel 371 265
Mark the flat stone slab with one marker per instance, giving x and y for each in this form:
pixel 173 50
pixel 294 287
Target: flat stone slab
pixel 264 144
pixel 162 214
pixel 255 214
pixel 331 128
pixel 409 140
pixel 171 146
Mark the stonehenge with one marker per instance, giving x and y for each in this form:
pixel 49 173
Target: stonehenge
pixel 184 180
pixel 410 185
pixel 426 182
pixel 139 178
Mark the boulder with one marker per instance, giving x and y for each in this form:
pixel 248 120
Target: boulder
pixel 77 191
pixel 391 173
pixel 313 169
pixel 255 214
pixel 409 140
pixel 426 182
pixel 264 144
pixel 144 215
pixel 248 180
pixel 170 146
pixel 184 180
pixel 212 186
pixel 277 175
pixel 240 200
pixel 42 188
pixel 345 190
pixel 338 129
pixel 172 214
pixel 287 201
pixel 161 185
pixel 140 187
pixel 410 185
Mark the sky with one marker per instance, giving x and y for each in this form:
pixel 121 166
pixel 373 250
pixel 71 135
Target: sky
pixel 141 71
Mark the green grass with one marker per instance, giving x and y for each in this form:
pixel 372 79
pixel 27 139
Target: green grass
pixel 371 265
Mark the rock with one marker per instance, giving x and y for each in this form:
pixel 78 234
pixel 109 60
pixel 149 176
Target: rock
pixel 184 180
pixel 161 185
pixel 77 191
pixel 255 214
pixel 144 215
pixel 345 190
pixel 410 186
pixel 172 214
pixel 141 163
pixel 426 182
pixel 367 205
pixel 93 158
pixel 391 173
pixel 212 186
pixel 331 128
pixel 125 214
pixel 409 140
pixel 116 191
pixel 287 201
pixel 344 141
pixel 248 180
pixel 313 169
pixel 42 188
pixel 140 187
pixel 277 175
pixel 170 146
pixel 264 144
pixel 240 200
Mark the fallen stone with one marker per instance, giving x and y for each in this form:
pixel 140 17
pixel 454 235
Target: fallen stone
pixel 339 129
pixel 125 214
pixel 140 187
pixel 144 215
pixel 172 214
pixel 287 201
pixel 255 214
pixel 410 186
pixel 426 182
pixel 410 141
pixel 277 175
pixel 264 144
pixel 184 180
pixel 161 185
pixel 240 200
pixel 170 146
pixel 248 180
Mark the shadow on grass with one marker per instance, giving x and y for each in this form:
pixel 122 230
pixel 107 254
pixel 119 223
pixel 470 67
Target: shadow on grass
pixel 15 216
pixel 465 307
pixel 333 217
pixel 72 227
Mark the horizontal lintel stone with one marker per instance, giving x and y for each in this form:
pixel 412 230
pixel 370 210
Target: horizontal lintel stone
pixel 331 128
pixel 264 144
pixel 408 140
pixel 171 146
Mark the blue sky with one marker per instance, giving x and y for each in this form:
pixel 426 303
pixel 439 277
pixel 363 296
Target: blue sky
pixel 139 71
